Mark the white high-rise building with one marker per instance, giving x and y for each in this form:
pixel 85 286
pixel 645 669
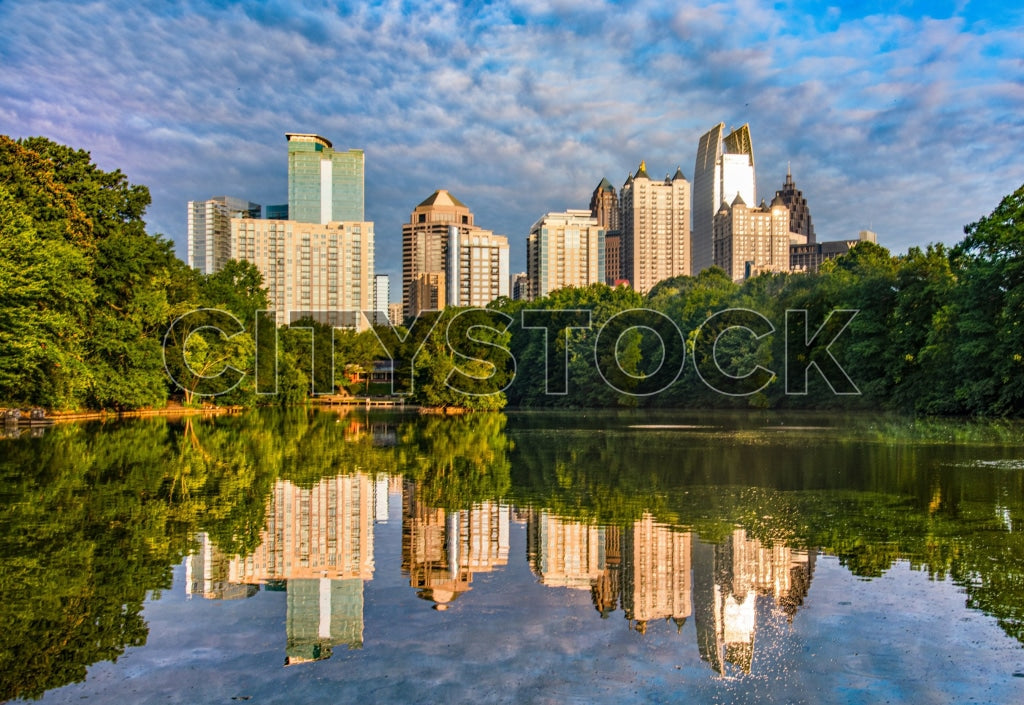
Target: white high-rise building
pixel 209 230
pixel 724 168
pixel 381 298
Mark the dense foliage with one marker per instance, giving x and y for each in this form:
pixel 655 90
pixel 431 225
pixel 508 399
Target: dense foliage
pixel 96 313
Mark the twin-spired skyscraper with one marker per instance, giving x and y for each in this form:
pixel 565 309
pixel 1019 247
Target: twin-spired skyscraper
pixel 724 169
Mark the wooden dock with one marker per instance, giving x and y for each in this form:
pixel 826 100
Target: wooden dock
pixel 366 402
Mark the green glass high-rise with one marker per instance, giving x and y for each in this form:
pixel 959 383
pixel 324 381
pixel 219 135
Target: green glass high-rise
pixel 324 185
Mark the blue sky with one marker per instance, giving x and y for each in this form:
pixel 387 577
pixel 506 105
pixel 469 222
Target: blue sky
pixel 902 117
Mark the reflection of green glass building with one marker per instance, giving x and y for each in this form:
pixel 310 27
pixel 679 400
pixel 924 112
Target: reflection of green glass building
pixel 323 185
pixel 323 614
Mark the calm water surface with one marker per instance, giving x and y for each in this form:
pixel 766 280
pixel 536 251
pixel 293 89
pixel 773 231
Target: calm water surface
pixel 520 558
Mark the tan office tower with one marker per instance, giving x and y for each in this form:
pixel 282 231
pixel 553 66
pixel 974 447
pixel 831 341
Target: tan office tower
pixel 724 168
pixel 474 274
pixel 749 241
pixel 307 268
pixel 425 245
pixel 564 249
pixel 655 228
pixel 477 266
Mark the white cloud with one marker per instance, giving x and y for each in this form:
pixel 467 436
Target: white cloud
pixel 906 125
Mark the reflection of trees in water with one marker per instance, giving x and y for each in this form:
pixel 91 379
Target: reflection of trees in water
pixel 96 515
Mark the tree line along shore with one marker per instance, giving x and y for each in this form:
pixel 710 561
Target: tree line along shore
pixel 87 297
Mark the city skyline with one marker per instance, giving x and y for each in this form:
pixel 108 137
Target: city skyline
pixel 877 111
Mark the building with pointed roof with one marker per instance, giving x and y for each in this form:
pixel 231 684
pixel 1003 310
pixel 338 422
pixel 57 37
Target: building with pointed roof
pixel 749 241
pixel 428 262
pixel 724 167
pixel 799 214
pixel 655 221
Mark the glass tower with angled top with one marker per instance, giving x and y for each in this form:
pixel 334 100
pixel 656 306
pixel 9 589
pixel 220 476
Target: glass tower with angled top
pixel 724 169
pixel 324 185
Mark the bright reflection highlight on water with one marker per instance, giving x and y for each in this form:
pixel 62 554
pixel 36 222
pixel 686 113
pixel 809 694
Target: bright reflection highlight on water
pixel 612 557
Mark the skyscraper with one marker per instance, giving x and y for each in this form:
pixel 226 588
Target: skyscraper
pixel 724 168
pixel 310 268
pixel 799 214
pixel 749 241
pixel 655 228
pixel 209 230
pixel 425 245
pixel 324 185
pixel 472 274
pixel 476 266
pixel 604 205
pixel 564 249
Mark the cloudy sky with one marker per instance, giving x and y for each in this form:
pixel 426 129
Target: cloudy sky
pixel 903 117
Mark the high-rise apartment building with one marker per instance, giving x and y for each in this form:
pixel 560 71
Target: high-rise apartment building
pixel 749 241
pixel 434 274
pixel 309 268
pixel 565 552
pixel 395 311
pixel 656 573
pixel 324 185
pixel 799 214
pixel 209 230
pixel 564 249
pixel 427 292
pixel 613 258
pixel 381 298
pixel 724 168
pixel 477 266
pixel 655 228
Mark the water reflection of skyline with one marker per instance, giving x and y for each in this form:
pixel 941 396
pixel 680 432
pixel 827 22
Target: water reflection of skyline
pixel 318 547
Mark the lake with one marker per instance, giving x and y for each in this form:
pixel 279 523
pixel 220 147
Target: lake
pixel 595 557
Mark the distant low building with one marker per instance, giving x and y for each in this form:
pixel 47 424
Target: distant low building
pixel 519 286
pixel 808 257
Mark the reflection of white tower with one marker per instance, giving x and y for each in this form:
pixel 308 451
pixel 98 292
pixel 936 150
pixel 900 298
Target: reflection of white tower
pixel 322 614
pixel 380 499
